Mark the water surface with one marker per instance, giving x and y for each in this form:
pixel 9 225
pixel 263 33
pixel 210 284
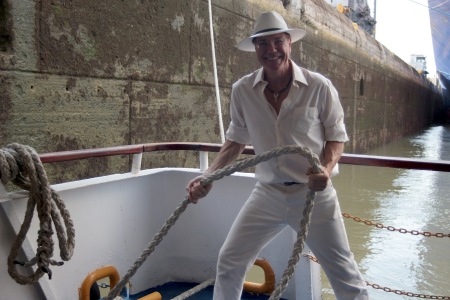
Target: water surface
pixel 408 199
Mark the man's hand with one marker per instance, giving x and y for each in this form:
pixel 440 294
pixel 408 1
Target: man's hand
pixel 196 190
pixel 318 182
pixel 228 153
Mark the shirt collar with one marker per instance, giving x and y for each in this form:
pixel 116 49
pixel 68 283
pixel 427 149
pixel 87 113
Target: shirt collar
pixel 259 77
pixel 297 75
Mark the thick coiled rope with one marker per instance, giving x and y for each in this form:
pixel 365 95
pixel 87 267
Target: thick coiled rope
pixel 21 165
pixel 209 178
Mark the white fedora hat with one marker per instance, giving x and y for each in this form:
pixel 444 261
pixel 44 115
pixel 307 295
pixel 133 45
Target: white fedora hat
pixel 269 23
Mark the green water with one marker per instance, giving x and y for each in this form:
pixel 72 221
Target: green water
pixel 408 199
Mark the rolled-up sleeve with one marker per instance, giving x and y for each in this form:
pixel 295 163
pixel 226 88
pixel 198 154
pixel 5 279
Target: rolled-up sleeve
pixel 336 133
pixel 237 134
pixel 237 130
pixel 333 116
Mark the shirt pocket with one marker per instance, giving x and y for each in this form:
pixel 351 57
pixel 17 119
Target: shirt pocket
pixel 305 120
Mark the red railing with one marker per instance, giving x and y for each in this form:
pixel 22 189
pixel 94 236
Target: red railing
pixel 353 159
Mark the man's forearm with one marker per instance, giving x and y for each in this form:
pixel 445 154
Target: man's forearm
pixel 228 154
pixel 332 154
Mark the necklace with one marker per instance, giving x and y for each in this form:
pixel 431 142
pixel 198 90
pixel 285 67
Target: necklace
pixel 276 94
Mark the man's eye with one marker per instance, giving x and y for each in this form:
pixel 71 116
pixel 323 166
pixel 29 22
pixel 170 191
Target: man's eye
pixel 278 42
pixel 263 44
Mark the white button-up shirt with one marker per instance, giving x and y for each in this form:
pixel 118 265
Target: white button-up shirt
pixel 310 115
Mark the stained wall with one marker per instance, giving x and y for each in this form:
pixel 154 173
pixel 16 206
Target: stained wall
pixel 88 74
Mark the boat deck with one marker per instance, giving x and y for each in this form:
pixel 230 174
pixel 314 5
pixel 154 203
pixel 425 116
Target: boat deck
pixel 171 290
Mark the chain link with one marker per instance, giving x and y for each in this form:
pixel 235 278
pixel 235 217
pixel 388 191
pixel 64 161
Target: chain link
pixel 403 293
pixel 392 228
pixel 401 230
pixel 389 290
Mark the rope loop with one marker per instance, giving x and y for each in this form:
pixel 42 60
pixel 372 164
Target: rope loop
pixel 21 165
pixel 219 174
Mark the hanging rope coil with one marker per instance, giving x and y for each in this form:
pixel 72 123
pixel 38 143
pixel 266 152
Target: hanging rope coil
pixel 20 164
pixel 209 178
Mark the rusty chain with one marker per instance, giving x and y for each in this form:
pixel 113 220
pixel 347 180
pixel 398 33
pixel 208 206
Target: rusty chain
pixel 392 228
pixel 403 293
pixel 389 290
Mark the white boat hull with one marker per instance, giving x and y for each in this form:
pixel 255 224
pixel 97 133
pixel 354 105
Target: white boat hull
pixel 116 217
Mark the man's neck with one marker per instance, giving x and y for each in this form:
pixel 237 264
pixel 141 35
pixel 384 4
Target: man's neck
pixel 278 77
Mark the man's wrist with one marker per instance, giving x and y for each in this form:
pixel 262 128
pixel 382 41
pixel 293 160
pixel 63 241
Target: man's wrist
pixel 327 170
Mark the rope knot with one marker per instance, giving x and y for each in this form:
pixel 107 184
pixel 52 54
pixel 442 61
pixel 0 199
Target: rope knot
pixel 20 164
pixel 9 168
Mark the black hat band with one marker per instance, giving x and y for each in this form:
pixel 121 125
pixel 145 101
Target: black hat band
pixel 266 30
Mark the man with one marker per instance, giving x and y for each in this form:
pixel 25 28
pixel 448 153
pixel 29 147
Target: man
pixel 278 105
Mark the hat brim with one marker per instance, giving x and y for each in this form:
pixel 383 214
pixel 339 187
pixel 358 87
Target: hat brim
pixel 247 44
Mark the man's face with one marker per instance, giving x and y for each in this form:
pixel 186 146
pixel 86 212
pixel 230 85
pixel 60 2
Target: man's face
pixel 273 51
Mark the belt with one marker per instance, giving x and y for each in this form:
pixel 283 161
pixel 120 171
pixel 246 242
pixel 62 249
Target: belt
pixel 289 183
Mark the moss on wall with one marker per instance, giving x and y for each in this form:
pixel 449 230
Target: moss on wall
pixel 85 74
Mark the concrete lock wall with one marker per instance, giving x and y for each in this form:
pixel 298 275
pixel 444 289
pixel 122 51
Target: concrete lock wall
pixel 82 74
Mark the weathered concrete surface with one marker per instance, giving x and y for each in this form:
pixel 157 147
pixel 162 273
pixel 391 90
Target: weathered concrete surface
pixel 82 74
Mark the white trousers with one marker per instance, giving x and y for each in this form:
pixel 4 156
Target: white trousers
pixel 269 209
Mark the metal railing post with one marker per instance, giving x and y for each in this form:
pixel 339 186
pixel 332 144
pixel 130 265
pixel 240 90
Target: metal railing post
pixel 136 164
pixel 203 161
